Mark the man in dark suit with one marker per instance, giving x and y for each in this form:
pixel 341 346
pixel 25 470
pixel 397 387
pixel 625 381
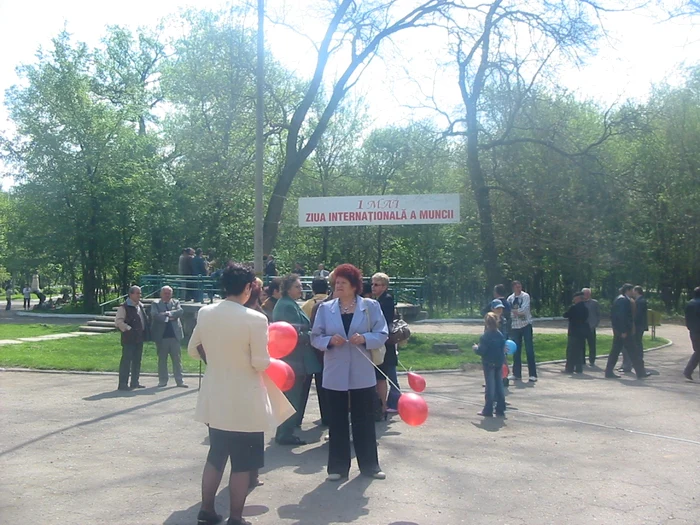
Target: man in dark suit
pixel 166 331
pixel 692 323
pixel 623 326
pixel 593 321
pixel 132 322
pixel 577 314
pixel 641 323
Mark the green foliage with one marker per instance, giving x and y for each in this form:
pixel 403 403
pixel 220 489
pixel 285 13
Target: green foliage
pixel 128 152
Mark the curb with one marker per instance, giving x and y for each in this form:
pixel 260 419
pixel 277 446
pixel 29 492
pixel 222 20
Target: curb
pixel 153 374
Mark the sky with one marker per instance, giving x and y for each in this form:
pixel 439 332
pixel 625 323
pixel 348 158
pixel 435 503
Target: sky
pixel 643 48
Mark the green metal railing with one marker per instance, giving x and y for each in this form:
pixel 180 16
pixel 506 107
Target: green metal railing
pixel 119 300
pixel 204 287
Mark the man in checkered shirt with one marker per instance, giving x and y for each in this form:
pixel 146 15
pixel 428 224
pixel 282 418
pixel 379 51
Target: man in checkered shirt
pixel 521 328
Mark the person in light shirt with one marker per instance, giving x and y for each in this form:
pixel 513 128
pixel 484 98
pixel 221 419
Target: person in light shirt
pixel 521 330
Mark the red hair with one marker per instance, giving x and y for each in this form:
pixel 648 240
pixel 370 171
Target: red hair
pixel 352 274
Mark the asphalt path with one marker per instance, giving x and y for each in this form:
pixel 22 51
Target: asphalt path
pixel 571 451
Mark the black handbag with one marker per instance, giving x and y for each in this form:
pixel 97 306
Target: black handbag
pixel 398 332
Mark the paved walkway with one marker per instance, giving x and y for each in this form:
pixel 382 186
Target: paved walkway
pixel 572 450
pixel 47 337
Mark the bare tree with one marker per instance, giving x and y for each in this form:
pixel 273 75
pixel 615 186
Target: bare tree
pixel 507 45
pixel 358 29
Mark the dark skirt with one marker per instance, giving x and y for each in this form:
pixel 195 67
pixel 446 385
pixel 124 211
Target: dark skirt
pixel 245 449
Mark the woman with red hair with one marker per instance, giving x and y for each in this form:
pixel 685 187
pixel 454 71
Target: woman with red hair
pixel 345 330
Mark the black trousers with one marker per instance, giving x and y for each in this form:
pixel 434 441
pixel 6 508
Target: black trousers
pixel 363 431
pixel 590 339
pixel 27 303
pixel 320 393
pixel 630 345
pixel 575 354
pixel 131 362
pixel 694 360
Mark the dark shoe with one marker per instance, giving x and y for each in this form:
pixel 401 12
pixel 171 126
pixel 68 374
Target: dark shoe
pixel 255 482
pixel 644 375
pixel 161 385
pixel 123 388
pixel 133 387
pixel 500 414
pixel 293 441
pixel 208 518
pixel 688 376
pixel 233 521
pixel 610 375
pixel 377 474
pixel 592 363
pixel 182 385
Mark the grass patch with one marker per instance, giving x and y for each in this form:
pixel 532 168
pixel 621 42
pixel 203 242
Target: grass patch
pixel 418 354
pixel 15 331
pixel 89 353
pixel 103 352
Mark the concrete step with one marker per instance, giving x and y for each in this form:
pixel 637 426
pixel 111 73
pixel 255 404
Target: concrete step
pixel 96 329
pixel 104 324
pixel 106 317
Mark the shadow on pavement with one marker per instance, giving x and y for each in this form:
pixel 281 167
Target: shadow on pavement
pixel 342 503
pixel 95 420
pixel 491 424
pixel 188 516
pixel 123 393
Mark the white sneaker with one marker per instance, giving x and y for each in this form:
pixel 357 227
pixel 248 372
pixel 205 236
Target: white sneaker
pixel 533 379
pixel 511 377
pixel 335 477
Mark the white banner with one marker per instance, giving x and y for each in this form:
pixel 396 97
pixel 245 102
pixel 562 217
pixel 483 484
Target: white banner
pixel 379 210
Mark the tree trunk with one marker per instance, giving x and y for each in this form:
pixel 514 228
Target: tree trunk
pixel 276 204
pixel 483 203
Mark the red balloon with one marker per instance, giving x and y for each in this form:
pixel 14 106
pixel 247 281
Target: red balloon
pixel 281 374
pixel 413 409
pixel 281 339
pixel 416 382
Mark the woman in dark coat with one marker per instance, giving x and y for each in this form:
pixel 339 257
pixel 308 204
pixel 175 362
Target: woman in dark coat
pixel 388 397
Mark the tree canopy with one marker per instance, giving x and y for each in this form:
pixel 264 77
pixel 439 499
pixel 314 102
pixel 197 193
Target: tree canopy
pixel 125 153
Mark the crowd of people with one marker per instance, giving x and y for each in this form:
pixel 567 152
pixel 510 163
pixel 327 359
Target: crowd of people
pixel 338 329
pixel 511 318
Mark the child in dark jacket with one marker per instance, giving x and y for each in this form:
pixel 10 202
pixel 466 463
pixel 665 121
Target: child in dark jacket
pixel 491 348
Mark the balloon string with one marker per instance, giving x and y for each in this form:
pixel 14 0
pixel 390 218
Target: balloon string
pixel 375 366
pixel 400 363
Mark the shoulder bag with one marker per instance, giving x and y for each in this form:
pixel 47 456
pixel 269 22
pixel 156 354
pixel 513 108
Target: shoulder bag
pixel 399 332
pixel 376 353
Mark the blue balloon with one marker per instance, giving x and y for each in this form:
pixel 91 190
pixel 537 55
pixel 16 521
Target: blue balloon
pixel 511 346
